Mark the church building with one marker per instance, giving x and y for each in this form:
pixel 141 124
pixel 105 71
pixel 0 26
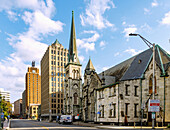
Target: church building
pixel 73 81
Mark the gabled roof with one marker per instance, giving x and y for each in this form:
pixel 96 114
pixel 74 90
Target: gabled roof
pixel 118 70
pixel 135 67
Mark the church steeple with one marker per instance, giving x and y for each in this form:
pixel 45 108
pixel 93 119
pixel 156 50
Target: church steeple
pixel 73 56
pixel 90 66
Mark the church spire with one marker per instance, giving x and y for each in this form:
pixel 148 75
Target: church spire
pixel 89 65
pixel 73 57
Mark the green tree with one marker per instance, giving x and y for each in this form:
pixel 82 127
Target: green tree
pixel 6 107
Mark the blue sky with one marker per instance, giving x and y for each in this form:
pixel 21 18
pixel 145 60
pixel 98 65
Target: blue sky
pixel 27 27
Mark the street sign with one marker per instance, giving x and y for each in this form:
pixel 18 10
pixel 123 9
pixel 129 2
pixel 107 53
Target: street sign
pixel 98 112
pixel 153 105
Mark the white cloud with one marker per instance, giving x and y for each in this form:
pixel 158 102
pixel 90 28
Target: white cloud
pixel 132 51
pixel 81 58
pixel 146 28
pixel 47 7
pixel 128 30
pixel 88 43
pixel 124 23
pixel 12 15
pixel 27 45
pixel 166 19
pixel 116 54
pixel 94 14
pixel 102 44
pixel 41 24
pixel 146 11
pixel 154 3
pixel 105 68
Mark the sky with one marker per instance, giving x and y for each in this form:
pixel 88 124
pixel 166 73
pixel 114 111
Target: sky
pixel 28 27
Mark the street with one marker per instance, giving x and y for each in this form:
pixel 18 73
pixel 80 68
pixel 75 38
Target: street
pixel 23 124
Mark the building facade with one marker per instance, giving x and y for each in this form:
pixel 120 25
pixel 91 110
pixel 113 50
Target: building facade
pixel 73 82
pixel 24 104
pixel 5 95
pixel 52 80
pixel 125 89
pixel 18 108
pixel 32 89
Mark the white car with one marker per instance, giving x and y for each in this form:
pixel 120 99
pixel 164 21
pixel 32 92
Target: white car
pixel 66 119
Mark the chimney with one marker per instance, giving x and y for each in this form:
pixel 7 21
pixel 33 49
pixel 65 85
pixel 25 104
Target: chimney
pixel 103 79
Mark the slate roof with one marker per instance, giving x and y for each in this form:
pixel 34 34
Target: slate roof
pixel 135 67
pixel 118 70
pixel 108 79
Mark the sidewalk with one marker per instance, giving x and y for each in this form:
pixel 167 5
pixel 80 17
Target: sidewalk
pixel 6 125
pixel 100 126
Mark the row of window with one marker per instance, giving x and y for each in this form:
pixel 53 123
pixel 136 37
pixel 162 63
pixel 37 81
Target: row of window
pixel 54 52
pixel 58 74
pixel 54 58
pixel 112 111
pixel 53 68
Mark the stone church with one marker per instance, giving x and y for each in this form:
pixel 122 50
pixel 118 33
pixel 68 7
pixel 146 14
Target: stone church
pixel 73 81
pixel 123 91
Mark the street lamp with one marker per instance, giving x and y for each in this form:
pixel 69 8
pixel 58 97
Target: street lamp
pixel 149 44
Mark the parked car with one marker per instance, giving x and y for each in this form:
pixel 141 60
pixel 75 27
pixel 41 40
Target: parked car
pixel 66 119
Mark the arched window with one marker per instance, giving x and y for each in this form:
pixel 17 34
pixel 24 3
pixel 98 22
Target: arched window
pixel 151 83
pixel 77 74
pixel 75 98
pixel 74 74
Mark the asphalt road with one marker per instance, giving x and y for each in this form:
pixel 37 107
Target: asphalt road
pixel 22 124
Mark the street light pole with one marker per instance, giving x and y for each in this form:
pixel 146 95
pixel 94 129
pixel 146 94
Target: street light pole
pixel 149 44
pixel 153 86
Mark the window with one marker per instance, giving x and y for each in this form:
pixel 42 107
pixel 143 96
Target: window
pixel 51 67
pixel 58 58
pixel 112 112
pixel 126 109
pixel 54 62
pixel 135 110
pixel 58 74
pixel 75 98
pixel 136 90
pixel 58 63
pixel 61 64
pixel 151 84
pixel 58 52
pixel 61 58
pixel 61 53
pixel 126 91
pixel 64 59
pixel 51 51
pixel 52 57
pixel 54 78
pixel 51 78
pixel 64 53
pixel 54 51
pixel 102 111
